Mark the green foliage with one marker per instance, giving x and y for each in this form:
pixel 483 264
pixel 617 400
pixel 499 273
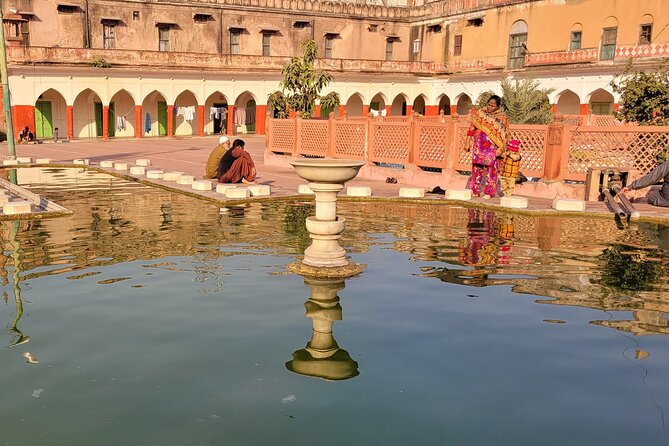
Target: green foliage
pixel 644 96
pixel 294 225
pixel 627 268
pixel 100 63
pixel 302 84
pixel 522 101
pixel 278 105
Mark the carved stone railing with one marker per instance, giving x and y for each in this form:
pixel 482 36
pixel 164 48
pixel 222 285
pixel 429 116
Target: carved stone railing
pixel 585 55
pixel 653 50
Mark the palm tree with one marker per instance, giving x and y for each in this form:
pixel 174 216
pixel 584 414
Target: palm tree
pixel 523 102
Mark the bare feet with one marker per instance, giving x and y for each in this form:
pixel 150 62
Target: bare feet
pixel 245 181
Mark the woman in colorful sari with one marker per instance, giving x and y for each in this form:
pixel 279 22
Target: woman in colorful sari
pixel 489 130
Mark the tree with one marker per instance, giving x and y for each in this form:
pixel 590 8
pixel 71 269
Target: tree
pixel 644 96
pixel 301 86
pixel 523 102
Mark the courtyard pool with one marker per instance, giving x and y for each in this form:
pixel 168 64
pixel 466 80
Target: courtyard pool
pixel 161 319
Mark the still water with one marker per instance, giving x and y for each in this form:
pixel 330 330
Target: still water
pixel 160 319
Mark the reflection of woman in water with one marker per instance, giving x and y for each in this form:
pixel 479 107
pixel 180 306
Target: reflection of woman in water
pixel 480 248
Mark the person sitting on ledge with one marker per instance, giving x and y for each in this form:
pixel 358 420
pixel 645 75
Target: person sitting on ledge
pixel 236 166
pixel 26 135
pixel 214 160
pixel 660 172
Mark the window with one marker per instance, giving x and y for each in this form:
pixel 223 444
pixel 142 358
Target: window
pixel 457 45
pixel 608 51
pixel 434 28
pixel 301 24
pixel 234 41
pixel 646 34
pixel 163 38
pixel 576 39
pixel 202 18
pixel 266 37
pixel 389 49
pixel 108 36
pixel 66 8
pixel 135 15
pixel 475 22
pixel 517 45
pixel 328 46
pixel 416 46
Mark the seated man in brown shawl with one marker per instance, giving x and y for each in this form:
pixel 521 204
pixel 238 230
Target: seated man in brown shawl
pixel 214 160
pixel 236 166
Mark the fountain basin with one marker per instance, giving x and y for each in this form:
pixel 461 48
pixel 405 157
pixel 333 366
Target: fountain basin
pixel 320 227
pixel 325 170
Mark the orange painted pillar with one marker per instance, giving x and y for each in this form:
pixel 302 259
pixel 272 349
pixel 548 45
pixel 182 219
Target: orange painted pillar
pixel 105 122
pixel 365 110
pixel 317 111
pixel 454 109
pixel 70 122
pixel 555 147
pixel 23 115
pixel 342 110
pixel 584 109
pixel 170 121
pixel 616 107
pixel 431 110
pixel 389 109
pixel 409 110
pixel 139 129
pixel 261 110
pixel 554 108
pixel 200 120
pixel 231 120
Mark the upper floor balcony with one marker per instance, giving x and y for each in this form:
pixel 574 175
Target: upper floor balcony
pixel 594 55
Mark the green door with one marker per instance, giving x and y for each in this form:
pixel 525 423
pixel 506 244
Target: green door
pixel 98 119
pixel 162 118
pixel 43 120
pixel 111 120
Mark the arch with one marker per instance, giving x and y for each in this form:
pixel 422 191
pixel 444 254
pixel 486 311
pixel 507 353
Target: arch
pixel 519 27
pixel 354 105
pixel 445 104
pixel 185 114
pixel 75 94
pixel 577 27
pixel 122 105
pixel 216 121
pixel 378 102
pixel 419 104
pixel 121 90
pixel 610 22
pixel 87 114
pixel 50 114
pixel 245 113
pixel 647 18
pixel 568 103
pixel 464 104
pixel 399 106
pixel 600 102
pixel 154 111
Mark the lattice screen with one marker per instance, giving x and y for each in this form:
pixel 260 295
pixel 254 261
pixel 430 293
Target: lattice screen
pixel 313 137
pixel 532 148
pixel 350 139
pixel 463 145
pixel 433 145
pixel 283 135
pixel 390 143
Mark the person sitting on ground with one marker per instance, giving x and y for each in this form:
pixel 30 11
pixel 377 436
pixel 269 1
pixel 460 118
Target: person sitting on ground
pixel 26 135
pixel 660 172
pixel 214 160
pixel 236 166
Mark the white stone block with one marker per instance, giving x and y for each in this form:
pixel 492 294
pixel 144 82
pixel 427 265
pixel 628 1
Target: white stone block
pixel 43 161
pixel 172 176
pixel 359 191
pixel 82 162
pixel 138 170
pixel 186 179
pixel 106 164
pixel 514 202
pixel 237 192
pixel 412 192
pixel 121 166
pixel 143 162
pixel 458 194
pixel 221 188
pixel 24 159
pixel 154 174
pixel 17 207
pixel 4 199
pixel 259 190
pixel 568 204
pixel 10 162
pixel 304 189
pixel 202 185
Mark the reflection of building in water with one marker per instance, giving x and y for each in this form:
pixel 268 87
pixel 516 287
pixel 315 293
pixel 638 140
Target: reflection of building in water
pixel 322 357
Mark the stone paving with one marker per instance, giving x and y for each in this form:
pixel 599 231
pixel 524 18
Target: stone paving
pixel 188 155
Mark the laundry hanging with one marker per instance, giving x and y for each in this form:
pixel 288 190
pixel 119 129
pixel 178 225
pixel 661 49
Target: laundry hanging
pixel 240 116
pixel 147 123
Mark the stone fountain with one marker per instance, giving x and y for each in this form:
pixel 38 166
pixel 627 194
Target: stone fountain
pixel 325 258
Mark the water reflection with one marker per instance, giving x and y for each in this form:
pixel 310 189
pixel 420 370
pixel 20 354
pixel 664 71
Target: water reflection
pixel 16 335
pixel 322 357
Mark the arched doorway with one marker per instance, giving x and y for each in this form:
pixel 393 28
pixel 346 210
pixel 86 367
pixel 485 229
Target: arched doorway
pixel 50 114
pixel 568 103
pixel 87 115
pixel 122 114
pixel 185 114
pixel 445 104
pixel 216 114
pixel 601 102
pixel 464 104
pixel 419 104
pixel 378 104
pixel 245 113
pixel 399 107
pixel 354 105
pixel 154 109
